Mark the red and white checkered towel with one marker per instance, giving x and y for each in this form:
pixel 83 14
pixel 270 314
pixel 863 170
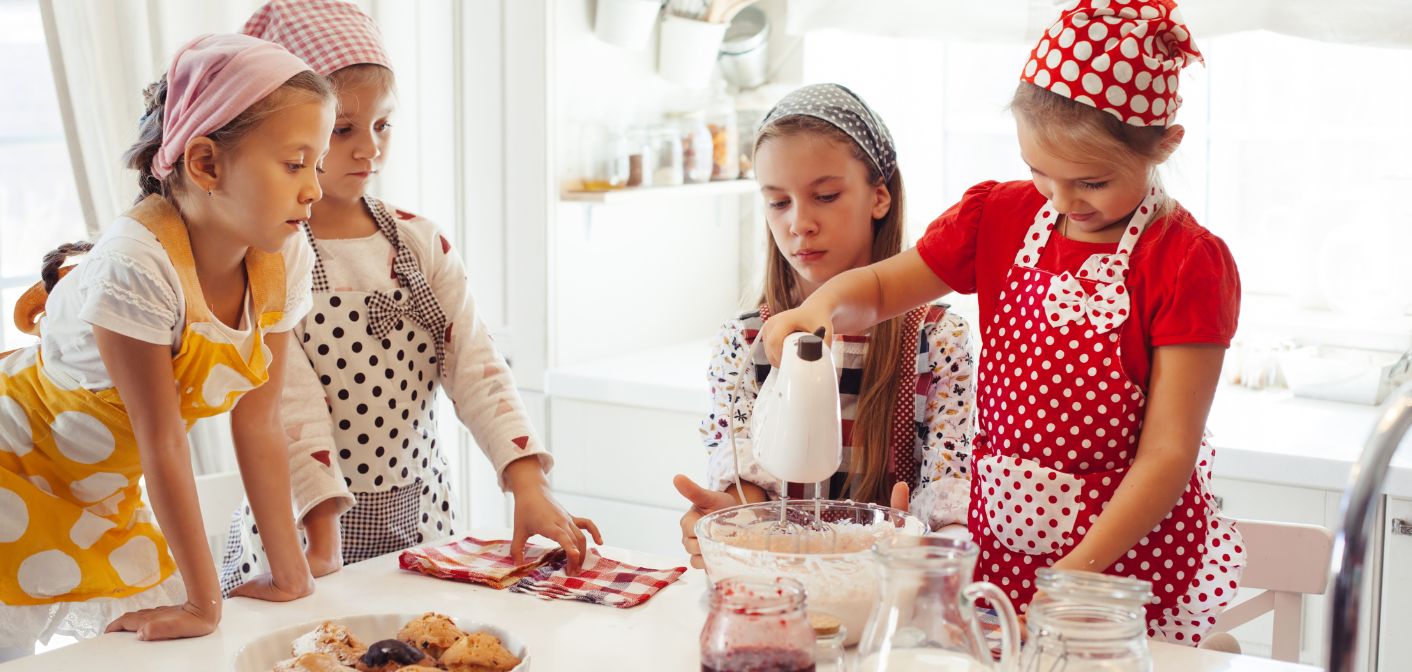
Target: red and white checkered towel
pixel 600 581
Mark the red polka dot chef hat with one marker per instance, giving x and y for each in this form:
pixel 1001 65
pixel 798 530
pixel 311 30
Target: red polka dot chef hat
pixel 1119 56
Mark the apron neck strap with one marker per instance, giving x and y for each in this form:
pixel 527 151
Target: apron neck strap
pixel 265 271
pixel 1047 218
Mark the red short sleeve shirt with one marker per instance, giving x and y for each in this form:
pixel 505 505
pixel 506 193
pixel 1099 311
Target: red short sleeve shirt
pixel 1183 281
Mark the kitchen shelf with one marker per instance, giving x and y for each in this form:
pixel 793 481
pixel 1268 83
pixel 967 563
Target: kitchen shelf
pixel 637 194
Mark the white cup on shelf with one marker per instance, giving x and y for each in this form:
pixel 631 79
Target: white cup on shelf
pixel 687 50
pixel 626 23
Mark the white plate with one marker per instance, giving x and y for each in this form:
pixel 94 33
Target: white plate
pixel 262 653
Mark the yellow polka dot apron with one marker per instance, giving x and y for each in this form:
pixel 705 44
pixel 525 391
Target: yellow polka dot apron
pixel 73 526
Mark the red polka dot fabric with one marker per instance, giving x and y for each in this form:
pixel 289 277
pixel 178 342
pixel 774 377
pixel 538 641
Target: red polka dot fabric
pixel 1119 56
pixel 1059 425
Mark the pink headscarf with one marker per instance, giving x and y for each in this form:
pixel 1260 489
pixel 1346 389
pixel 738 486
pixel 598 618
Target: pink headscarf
pixel 212 79
pixel 329 34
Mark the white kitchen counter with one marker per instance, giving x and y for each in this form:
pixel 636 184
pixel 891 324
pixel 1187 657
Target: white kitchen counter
pixel 659 635
pixel 1269 436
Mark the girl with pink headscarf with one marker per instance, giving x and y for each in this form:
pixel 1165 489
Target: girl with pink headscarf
pixel 182 309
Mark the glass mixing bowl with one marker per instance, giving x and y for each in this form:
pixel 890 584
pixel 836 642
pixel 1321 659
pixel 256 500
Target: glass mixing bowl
pixel 829 554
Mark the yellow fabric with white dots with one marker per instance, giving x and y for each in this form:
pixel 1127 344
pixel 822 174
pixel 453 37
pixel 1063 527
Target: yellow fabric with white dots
pixel 73 526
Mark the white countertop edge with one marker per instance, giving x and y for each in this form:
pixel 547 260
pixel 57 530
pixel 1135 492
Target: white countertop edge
pixel 1297 442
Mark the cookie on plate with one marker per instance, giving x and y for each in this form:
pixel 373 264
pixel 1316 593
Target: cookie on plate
pixel 312 662
pixel 332 639
pixel 431 632
pixel 389 655
pixel 479 652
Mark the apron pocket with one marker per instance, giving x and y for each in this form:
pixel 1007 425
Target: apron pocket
pixel 381 522
pixel 1031 509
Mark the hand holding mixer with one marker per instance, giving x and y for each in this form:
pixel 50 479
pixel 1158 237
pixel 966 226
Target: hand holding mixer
pixel 797 428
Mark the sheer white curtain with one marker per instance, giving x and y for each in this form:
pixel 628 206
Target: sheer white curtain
pixel 103 55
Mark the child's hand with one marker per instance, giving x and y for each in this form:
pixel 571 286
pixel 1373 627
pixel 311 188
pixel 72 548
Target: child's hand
pixel 264 587
pixel 703 501
pixel 174 622
pixel 536 512
pixel 325 550
pixel 901 496
pixel 803 318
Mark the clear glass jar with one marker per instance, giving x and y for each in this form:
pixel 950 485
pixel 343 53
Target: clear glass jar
pixel 757 624
pixel 1087 622
pixel 667 168
pixel 748 126
pixel 697 148
pixel 605 159
pixel 829 635
pixel 725 138
pixel 639 151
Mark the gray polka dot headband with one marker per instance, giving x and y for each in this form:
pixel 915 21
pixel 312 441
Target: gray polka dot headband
pixel 842 108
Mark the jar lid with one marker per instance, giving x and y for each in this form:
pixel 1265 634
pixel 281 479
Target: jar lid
pixel 825 625
pixel 747 31
pixel 1093 587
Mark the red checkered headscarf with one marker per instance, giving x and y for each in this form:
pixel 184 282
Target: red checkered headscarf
pixel 328 34
pixel 1119 56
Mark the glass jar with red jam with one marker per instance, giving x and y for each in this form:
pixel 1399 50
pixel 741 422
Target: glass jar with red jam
pixel 757 625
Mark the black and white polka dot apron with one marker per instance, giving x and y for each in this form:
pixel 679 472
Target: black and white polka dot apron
pixel 381 393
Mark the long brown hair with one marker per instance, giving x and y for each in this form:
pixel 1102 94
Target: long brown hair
pixel 872 435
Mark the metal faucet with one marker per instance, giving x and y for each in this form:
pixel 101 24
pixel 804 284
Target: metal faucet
pixel 1351 539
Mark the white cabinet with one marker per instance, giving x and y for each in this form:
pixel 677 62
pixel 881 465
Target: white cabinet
pixel 614 463
pixel 1395 626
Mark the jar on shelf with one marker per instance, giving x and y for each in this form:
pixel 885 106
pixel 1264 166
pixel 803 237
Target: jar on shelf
pixel 667 167
pixel 639 152
pixel 725 138
pixel 1087 622
pixel 697 148
pixel 748 124
pixel 604 158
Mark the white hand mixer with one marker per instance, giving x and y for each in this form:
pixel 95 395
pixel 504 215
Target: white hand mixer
pixel 796 425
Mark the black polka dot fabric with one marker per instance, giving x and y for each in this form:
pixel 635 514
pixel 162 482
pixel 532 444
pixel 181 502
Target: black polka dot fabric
pixel 377 387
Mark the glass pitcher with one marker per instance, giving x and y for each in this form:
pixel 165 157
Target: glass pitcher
pixel 1087 622
pixel 927 617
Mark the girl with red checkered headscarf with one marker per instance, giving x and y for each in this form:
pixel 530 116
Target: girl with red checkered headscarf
pixel 393 321
pixel 1105 313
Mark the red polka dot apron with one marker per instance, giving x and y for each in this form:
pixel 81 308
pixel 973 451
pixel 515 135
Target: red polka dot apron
pixel 1059 422
pixel 378 363
pixel 73 526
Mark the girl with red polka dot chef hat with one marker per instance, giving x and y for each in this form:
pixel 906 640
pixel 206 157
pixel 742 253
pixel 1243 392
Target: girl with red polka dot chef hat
pixel 1105 314
pixel 393 323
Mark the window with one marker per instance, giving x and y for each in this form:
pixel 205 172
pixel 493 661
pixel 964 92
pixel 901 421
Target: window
pixel 1296 154
pixel 39 206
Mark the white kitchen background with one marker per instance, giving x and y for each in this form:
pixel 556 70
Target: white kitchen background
pixel 1296 154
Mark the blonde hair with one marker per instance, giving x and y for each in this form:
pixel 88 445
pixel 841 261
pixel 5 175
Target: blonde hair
pixel 363 74
pixel 1080 133
pixel 873 419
